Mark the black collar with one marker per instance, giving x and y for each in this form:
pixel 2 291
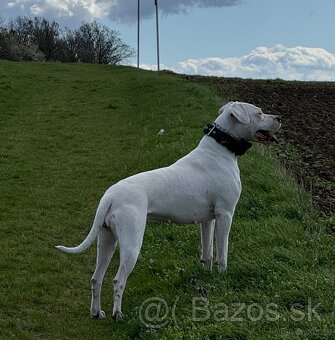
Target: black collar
pixel 237 145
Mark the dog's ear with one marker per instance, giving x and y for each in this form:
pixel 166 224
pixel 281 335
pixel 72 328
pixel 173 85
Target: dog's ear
pixel 225 107
pixel 239 112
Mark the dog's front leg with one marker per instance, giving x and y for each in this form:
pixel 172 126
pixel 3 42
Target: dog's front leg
pixel 207 232
pixel 222 228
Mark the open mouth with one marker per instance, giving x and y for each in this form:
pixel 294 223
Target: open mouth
pixel 266 137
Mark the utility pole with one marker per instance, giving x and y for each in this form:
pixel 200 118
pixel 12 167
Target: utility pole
pixel 138 32
pixel 157 34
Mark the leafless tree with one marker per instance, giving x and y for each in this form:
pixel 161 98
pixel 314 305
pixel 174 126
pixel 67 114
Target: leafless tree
pixel 13 48
pixel 98 44
pixel 39 32
pixel 39 39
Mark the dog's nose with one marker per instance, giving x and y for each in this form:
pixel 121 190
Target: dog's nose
pixel 278 118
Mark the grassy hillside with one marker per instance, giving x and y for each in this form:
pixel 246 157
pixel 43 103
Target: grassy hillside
pixel 67 133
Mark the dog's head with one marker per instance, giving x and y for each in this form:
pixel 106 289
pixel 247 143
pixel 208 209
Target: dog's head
pixel 247 121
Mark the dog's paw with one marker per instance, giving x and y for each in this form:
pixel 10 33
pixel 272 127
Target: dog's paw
pixel 98 315
pixel 206 264
pixel 222 270
pixel 222 266
pixel 118 315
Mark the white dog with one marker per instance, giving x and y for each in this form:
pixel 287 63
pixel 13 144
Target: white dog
pixel 202 187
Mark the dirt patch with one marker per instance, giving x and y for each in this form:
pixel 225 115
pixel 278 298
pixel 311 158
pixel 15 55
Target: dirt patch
pixel 308 131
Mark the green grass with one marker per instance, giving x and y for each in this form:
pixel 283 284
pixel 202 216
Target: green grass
pixel 67 133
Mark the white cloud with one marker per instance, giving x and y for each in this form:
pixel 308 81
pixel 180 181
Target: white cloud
pixel 126 10
pixel 72 12
pixel 295 63
pixel 117 10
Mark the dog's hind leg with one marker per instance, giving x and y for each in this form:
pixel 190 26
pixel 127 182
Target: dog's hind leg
pixel 130 237
pixel 105 248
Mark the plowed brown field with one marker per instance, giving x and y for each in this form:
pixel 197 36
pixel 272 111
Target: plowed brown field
pixel 308 133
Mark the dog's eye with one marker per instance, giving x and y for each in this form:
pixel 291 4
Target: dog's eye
pixel 260 113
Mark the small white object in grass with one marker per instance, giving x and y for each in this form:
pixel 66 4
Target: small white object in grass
pixel 161 131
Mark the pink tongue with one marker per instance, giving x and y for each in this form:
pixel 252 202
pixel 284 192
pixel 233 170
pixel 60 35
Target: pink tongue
pixel 267 136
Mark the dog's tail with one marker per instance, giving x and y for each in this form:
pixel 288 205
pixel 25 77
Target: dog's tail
pixel 99 219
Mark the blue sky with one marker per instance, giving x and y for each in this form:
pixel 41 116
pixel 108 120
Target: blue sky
pixel 236 30
pixel 289 39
